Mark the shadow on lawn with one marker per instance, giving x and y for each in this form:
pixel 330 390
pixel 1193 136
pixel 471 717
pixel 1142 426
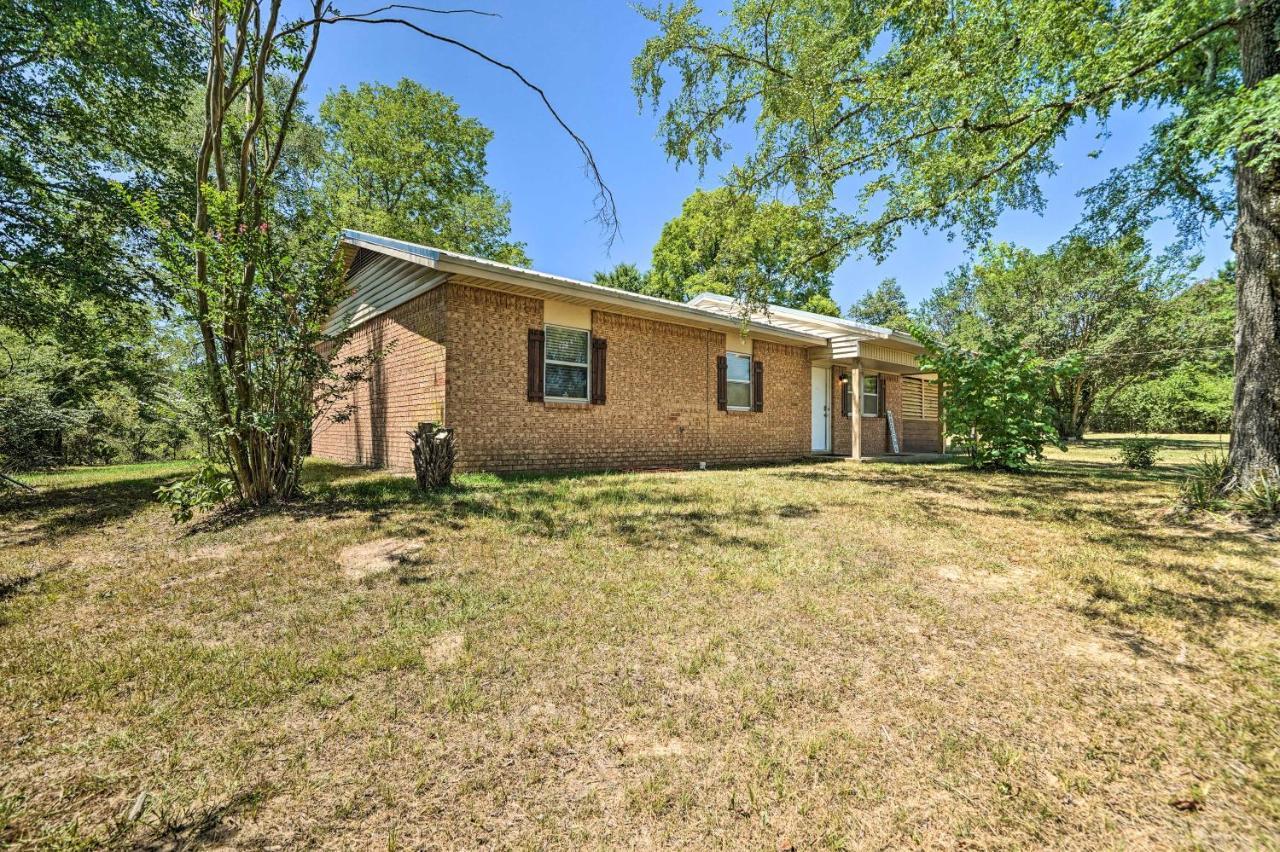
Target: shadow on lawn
pixel 638 512
pixel 53 513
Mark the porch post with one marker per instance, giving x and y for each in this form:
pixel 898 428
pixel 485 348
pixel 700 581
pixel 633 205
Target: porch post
pixel 855 414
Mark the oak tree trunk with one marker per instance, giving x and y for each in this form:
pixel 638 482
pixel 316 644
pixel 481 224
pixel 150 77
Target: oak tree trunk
pixel 1255 415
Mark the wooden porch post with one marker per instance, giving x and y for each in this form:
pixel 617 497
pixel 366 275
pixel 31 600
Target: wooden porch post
pixel 855 414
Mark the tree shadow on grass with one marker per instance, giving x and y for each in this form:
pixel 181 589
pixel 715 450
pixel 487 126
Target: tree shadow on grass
pixel 640 512
pixel 205 826
pixel 55 513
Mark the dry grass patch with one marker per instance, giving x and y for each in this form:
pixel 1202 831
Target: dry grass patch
pixel 820 655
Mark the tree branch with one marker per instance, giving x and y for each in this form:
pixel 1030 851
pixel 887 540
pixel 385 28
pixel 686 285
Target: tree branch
pixel 606 207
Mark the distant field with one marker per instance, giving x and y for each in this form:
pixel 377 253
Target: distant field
pixel 825 655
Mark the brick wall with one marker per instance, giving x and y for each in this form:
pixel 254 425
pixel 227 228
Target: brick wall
pixel 660 409
pixel 661 406
pixel 914 436
pixel 405 388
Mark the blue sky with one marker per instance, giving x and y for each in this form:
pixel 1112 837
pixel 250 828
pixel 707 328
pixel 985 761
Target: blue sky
pixel 580 52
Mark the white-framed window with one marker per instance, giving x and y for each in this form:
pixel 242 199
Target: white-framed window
pixel 870 396
pixel 737 381
pixel 567 364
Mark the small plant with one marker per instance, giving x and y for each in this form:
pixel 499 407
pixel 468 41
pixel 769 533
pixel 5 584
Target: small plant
pixel 1139 453
pixel 208 487
pixel 1206 487
pixel 1262 497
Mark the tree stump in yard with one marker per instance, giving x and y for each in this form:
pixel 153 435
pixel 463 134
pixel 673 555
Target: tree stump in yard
pixel 434 451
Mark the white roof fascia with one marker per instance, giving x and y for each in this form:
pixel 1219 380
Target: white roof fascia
pixel 814 323
pixel 447 261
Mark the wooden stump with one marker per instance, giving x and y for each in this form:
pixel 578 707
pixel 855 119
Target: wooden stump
pixel 434 451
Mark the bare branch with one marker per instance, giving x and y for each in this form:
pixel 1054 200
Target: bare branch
pixel 606 207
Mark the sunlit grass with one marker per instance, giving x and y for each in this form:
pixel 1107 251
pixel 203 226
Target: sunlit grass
pixel 834 654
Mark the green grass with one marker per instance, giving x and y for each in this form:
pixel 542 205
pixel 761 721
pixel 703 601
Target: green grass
pixel 837 654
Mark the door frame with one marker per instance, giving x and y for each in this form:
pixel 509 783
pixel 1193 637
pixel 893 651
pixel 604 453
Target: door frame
pixel 827 396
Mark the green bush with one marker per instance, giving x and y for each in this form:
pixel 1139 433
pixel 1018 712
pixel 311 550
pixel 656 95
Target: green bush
pixel 1139 453
pixel 207 488
pixel 995 399
pixel 1262 497
pixel 1206 487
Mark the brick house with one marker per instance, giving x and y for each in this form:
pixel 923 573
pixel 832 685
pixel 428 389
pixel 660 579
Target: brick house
pixel 539 372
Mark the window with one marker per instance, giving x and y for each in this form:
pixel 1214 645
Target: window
pixel 567 358
pixel 870 396
pixel 738 381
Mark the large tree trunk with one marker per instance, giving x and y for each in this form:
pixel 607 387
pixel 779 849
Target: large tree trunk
pixel 1255 416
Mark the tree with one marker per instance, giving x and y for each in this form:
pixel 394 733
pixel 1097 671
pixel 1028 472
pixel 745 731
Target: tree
pixel 624 276
pixel 256 275
pixel 732 244
pixel 1101 304
pixel 401 162
pixel 821 303
pixel 1191 385
pixel 947 112
pixel 996 408
pixel 886 305
pixel 87 90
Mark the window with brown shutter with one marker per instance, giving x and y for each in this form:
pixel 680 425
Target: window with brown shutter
pixel 757 385
pixel 870 396
pixel 598 350
pixel 722 381
pixel 536 337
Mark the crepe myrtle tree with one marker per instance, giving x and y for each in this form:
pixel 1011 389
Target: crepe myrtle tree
pixel 258 295
pixel 943 113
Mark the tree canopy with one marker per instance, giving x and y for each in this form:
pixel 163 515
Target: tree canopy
pixel 401 161
pixel 1102 305
pixel 944 113
pixel 724 242
pixel 87 89
pixel 886 305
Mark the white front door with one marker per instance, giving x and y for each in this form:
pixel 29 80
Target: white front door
pixel 821 394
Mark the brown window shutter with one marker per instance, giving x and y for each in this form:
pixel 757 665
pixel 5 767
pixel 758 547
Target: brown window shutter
pixel 880 386
pixel 846 397
pixel 598 349
pixel 722 380
pixel 757 385
pixel 536 336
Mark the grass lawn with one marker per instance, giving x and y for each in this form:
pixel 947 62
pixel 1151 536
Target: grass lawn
pixel 825 654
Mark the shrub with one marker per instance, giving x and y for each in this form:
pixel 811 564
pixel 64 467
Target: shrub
pixel 1262 497
pixel 1206 487
pixel 995 400
pixel 1139 453
pixel 208 487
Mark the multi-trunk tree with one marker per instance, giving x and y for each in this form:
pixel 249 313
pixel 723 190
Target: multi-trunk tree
pixel 255 273
pixel 943 113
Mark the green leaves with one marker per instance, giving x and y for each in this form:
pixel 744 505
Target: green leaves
pixel 938 113
pixel 995 399
pixel 401 161
pixel 760 252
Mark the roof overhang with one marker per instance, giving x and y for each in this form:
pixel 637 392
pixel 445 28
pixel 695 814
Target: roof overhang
pixel 502 276
pixel 832 328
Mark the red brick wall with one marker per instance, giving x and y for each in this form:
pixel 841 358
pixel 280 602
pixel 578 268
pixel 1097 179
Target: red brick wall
pixel 405 388
pixel 660 409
